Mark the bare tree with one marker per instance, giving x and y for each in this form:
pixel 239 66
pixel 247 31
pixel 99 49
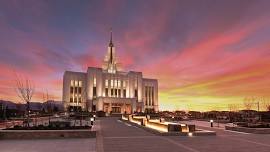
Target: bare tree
pixel 48 104
pixel 25 90
pixel 248 103
pixel 233 107
pixel 266 104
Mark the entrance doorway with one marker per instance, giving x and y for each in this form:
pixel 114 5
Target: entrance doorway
pixel 116 110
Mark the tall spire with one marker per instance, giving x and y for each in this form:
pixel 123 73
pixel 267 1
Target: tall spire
pixel 110 60
pixel 111 50
pixel 111 43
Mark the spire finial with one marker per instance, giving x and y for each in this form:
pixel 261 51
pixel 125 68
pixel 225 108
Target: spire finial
pixel 111 43
pixel 111 34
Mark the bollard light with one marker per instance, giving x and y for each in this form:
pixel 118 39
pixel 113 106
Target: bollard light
pixel 92 121
pixel 211 121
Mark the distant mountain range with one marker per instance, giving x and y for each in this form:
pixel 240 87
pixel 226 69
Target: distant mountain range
pixel 33 105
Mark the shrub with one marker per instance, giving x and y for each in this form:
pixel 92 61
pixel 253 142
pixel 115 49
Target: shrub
pixel 101 114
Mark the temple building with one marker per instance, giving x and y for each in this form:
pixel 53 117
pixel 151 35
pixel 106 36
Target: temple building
pixel 109 89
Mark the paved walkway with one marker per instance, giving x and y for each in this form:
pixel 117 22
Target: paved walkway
pixel 49 145
pixel 117 136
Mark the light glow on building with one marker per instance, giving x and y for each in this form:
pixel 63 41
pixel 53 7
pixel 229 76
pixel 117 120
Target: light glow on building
pixel 108 89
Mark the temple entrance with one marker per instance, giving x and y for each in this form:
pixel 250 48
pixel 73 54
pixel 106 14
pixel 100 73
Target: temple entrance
pixel 127 109
pixel 116 109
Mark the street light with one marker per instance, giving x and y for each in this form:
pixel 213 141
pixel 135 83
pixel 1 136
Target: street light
pixel 94 117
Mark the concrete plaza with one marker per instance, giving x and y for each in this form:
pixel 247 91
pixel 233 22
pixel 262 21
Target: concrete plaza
pixel 114 135
pixel 49 145
pixel 117 136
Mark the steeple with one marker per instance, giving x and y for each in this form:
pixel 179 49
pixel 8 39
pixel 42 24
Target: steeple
pixel 111 43
pixel 111 49
pixel 110 63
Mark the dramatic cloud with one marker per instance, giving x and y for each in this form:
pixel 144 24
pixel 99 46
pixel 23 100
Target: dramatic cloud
pixel 206 55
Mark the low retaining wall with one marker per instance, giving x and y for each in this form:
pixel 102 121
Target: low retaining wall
pixel 157 126
pixel 43 134
pixel 156 132
pixel 249 130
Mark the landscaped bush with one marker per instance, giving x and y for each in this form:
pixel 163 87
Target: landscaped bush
pixel 259 126
pixel 50 127
pixel 17 127
pixel 253 125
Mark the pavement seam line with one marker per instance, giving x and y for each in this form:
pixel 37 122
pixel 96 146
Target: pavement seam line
pixel 99 138
pixel 238 132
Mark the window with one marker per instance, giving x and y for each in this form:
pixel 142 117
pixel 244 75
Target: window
pixel 80 99
pixel 124 93
pixel 115 92
pixel 80 83
pixel 75 99
pixel 71 89
pixel 106 83
pixel 136 93
pixel 106 92
pixel 71 99
pixel 94 91
pixel 111 92
pixel 80 90
pixel 76 90
pixel 119 93
pixel 76 83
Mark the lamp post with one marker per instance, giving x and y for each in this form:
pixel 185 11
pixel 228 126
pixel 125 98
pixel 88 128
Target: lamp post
pixel 211 122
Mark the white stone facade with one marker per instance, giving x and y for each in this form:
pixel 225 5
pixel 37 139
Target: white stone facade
pixel 109 90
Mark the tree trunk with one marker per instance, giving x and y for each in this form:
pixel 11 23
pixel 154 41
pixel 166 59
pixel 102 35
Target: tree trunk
pixel 28 113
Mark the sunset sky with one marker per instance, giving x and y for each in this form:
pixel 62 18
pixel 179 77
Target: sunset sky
pixel 205 54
